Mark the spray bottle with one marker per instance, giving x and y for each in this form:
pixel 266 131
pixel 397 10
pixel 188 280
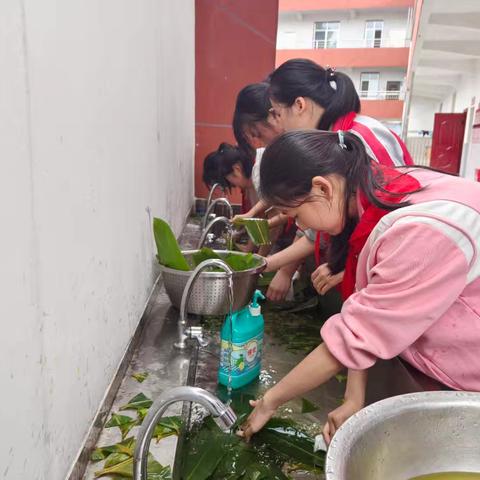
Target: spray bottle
pixel 246 344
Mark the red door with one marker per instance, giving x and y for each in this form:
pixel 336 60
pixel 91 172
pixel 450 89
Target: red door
pixel 447 141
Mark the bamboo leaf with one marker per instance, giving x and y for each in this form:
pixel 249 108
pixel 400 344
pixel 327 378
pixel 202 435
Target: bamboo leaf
pixel 204 254
pixel 257 471
pixel 239 263
pixel 123 422
pixel 341 377
pixel 124 469
pixel 168 251
pixel 126 446
pixel 140 377
pixel 290 442
pixel 166 427
pixel 137 402
pixel 257 229
pixel 115 458
pixel 308 407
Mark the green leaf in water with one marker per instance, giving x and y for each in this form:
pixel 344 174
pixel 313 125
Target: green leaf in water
pixel 308 407
pixel 257 229
pixel 140 377
pixel 204 254
pixel 126 446
pixel 257 471
pixel 237 262
pixel 123 422
pixel 137 402
pixel 166 427
pixel 205 452
pixel 168 251
pixel 289 441
pixel 142 413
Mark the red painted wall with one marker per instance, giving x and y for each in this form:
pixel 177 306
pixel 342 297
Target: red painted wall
pixel 306 5
pixel 349 57
pixel 234 45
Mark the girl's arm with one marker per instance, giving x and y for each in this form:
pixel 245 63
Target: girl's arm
pixel 318 367
pixel 353 402
pixel 300 249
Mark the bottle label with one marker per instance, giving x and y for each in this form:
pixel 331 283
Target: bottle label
pixel 245 356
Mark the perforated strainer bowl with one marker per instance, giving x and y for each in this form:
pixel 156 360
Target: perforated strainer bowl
pixel 210 291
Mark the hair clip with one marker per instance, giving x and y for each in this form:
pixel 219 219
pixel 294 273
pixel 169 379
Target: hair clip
pixel 341 140
pixel 330 71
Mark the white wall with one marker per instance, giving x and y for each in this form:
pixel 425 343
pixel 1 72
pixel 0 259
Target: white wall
pixel 96 127
pixel 295 30
pixel 422 111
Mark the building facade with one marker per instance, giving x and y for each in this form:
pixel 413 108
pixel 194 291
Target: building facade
pixel 367 39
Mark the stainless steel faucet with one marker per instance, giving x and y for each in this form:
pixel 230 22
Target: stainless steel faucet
pixel 211 208
pixel 197 332
pixel 205 233
pixel 211 192
pixel 223 415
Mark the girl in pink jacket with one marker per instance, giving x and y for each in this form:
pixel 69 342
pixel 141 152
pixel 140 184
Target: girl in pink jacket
pixel 409 240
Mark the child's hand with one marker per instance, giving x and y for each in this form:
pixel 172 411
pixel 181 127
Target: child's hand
pixel 279 286
pixel 338 417
pixel 260 415
pixel 323 280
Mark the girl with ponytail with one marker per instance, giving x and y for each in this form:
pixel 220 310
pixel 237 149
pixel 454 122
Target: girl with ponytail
pixel 306 95
pixel 410 244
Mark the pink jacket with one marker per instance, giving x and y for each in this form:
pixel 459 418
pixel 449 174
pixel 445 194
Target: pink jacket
pixel 418 287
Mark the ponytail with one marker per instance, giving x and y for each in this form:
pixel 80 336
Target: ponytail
pixel 333 91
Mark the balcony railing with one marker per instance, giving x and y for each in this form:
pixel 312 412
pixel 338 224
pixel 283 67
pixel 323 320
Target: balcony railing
pixel 382 95
pixel 361 43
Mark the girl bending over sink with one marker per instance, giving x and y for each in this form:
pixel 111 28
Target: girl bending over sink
pixel 408 240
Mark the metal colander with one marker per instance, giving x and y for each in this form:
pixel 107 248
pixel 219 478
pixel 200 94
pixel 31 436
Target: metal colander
pixel 209 294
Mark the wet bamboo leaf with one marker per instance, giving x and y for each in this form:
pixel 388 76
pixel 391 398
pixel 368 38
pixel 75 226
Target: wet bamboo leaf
pixel 140 377
pixel 292 443
pixel 257 229
pixel 142 413
pixel 166 427
pixel 168 251
pixel 115 458
pixel 204 254
pixel 137 402
pixel 308 407
pixel 123 422
pixel 257 471
pixel 124 469
pixel 205 452
pixel 126 446
pixel 236 262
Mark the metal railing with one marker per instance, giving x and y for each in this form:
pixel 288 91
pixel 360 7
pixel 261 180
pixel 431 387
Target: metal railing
pixel 382 95
pixel 361 43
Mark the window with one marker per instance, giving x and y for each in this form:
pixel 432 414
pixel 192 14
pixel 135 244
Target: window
pixel 326 34
pixel 393 90
pixel 369 84
pixel 373 33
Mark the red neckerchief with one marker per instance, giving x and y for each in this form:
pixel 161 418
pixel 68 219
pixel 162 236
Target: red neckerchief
pixel 395 182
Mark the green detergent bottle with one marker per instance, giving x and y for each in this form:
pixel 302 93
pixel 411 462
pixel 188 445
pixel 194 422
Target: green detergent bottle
pixel 246 343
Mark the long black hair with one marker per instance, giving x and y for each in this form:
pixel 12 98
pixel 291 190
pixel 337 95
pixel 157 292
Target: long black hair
pixel 333 91
pixel 253 105
pixel 291 162
pixel 218 164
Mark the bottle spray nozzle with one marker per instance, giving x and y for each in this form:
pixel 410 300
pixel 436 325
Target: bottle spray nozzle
pixel 257 295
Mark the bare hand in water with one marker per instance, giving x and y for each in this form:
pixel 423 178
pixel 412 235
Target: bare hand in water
pixel 260 415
